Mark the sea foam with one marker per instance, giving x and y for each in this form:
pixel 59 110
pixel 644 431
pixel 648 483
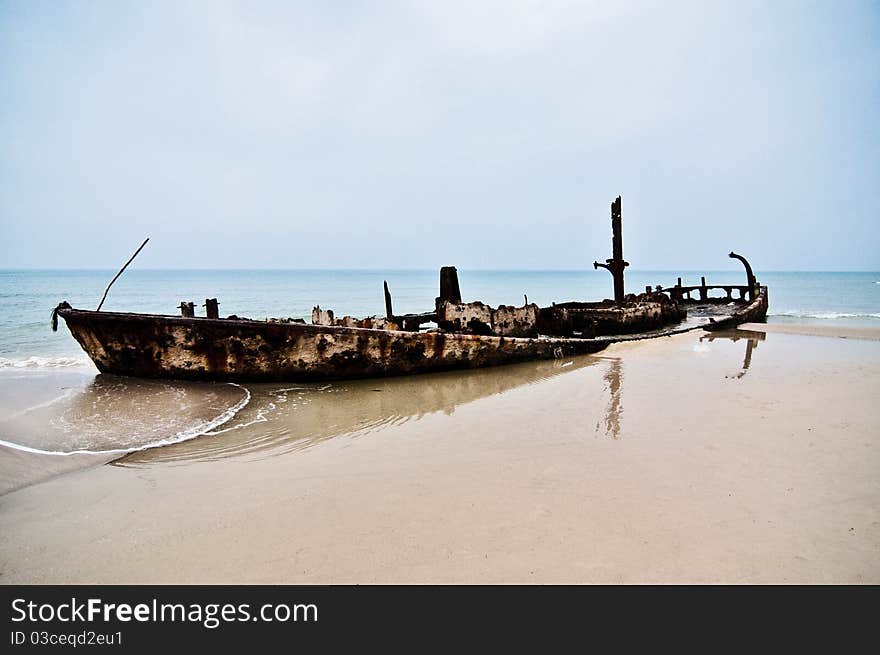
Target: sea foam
pixel 185 435
pixel 824 315
pixel 36 362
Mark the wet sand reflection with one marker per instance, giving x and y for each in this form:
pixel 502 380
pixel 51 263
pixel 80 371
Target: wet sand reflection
pixel 282 418
pixel 610 421
pixel 609 424
pixel 752 337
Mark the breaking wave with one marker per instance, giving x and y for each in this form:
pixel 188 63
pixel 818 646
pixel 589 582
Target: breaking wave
pixel 185 435
pixel 824 315
pixel 36 362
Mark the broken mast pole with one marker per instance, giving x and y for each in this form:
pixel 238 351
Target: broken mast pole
pixel 616 264
pixel 449 289
pixel 389 310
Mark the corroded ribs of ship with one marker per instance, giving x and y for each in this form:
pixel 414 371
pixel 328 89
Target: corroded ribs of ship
pixel 456 334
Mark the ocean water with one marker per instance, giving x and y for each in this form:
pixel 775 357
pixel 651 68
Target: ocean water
pixel 58 414
pixel 27 297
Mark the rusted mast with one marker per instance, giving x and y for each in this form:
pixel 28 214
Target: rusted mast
pixel 616 264
pixel 116 277
pixel 389 310
pixel 449 289
pixel 750 276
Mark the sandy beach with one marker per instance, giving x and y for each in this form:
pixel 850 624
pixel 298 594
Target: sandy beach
pixel 750 457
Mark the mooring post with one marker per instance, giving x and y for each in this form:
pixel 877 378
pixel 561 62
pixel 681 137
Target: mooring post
pixel 616 264
pixel 187 309
pixel 449 290
pixel 676 293
pixel 212 308
pixel 704 293
pixel 389 312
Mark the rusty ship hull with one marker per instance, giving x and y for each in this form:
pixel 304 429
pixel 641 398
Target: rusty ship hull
pixel 149 345
pixel 160 346
pixel 753 312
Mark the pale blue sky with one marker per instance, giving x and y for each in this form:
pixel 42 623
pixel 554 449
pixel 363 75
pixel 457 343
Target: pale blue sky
pixel 417 134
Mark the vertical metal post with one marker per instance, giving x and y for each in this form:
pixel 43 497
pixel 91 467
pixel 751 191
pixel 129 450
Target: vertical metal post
pixel 449 289
pixel 616 264
pixel 212 308
pixel 389 312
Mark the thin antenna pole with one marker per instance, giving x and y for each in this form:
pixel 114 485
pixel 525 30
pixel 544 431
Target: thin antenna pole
pixel 120 273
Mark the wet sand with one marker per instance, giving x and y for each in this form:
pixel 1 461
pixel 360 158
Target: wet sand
pixel 751 457
pixel 836 331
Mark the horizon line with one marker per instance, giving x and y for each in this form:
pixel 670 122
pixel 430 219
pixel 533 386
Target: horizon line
pixel 420 270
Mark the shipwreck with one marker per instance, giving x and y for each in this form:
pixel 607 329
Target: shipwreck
pixel 455 334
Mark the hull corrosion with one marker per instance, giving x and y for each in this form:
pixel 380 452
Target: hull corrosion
pixel 146 345
pixel 754 312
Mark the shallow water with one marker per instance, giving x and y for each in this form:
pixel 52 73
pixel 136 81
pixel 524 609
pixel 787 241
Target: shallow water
pixel 105 414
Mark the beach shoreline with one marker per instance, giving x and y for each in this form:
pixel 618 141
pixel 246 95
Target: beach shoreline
pixel 812 330
pixel 745 457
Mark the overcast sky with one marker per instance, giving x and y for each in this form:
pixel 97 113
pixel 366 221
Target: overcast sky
pixel 416 134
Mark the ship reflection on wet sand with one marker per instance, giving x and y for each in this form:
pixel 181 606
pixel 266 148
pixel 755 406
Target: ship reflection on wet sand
pixel 609 424
pixel 752 337
pixel 282 418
